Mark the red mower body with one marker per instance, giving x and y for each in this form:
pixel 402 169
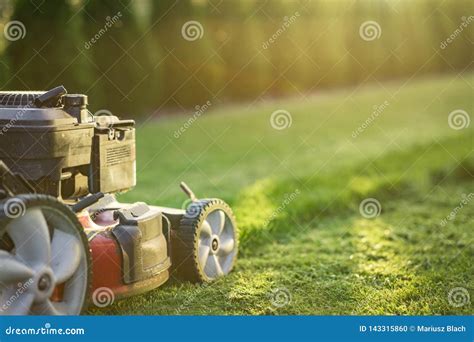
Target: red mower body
pixel 110 255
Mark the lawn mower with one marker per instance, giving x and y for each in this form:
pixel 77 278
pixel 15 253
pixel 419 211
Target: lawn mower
pixel 64 237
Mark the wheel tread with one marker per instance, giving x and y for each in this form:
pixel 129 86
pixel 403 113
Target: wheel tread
pixel 187 238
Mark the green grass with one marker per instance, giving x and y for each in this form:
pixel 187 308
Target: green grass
pixel 296 194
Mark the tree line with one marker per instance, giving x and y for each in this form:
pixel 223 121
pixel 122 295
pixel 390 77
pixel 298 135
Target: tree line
pixel 139 57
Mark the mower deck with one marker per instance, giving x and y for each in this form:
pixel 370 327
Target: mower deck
pixel 130 245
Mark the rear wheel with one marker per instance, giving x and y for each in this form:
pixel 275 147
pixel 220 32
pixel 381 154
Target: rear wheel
pixel 206 241
pixel 44 258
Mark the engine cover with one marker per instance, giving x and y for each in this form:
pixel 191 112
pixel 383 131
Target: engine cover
pixel 56 144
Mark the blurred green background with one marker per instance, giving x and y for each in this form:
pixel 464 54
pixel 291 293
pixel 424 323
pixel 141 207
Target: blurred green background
pixel 143 65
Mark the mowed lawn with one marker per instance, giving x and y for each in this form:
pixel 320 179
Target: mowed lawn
pixel 305 246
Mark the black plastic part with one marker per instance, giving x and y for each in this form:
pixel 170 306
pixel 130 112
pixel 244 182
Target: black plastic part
pixel 142 241
pixel 129 238
pixel 75 100
pixel 87 202
pixel 52 98
pixel 130 215
pixel 18 99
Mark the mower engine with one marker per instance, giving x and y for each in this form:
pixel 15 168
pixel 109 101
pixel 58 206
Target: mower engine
pixel 55 143
pixel 64 238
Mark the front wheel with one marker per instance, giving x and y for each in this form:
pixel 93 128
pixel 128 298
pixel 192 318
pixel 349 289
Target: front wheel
pixel 44 258
pixel 206 242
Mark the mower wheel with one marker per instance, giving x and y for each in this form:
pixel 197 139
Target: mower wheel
pixel 206 242
pixel 45 264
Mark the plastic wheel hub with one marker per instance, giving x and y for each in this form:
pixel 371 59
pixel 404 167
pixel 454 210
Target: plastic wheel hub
pixel 44 283
pixel 215 244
